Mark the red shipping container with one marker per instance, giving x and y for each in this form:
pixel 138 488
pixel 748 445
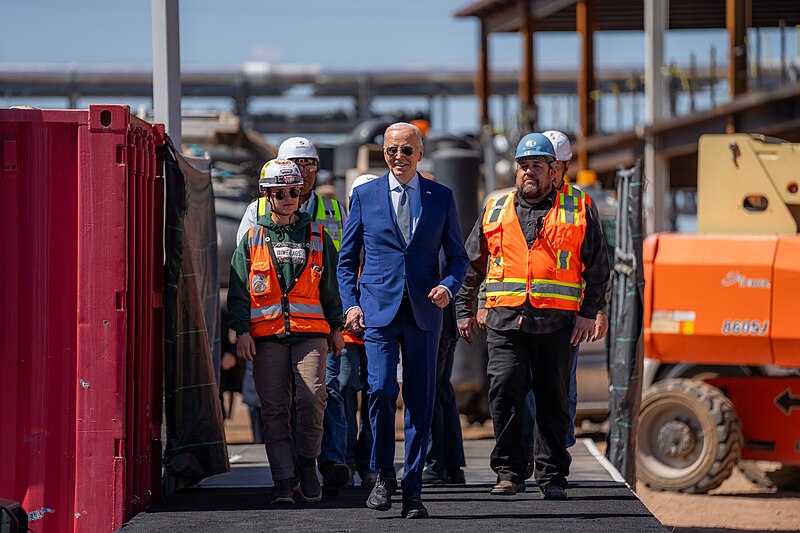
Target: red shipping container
pixel 81 215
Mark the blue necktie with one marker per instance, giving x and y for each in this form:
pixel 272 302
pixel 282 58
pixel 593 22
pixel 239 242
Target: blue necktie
pixel 404 214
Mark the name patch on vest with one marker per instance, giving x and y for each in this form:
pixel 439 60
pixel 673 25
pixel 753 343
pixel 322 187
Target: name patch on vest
pixel 290 252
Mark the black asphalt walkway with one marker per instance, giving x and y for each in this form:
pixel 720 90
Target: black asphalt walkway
pixel 239 501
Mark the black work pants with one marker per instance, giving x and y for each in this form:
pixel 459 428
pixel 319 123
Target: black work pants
pixel 446 449
pixel 514 358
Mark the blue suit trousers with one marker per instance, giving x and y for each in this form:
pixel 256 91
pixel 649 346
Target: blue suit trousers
pixel 419 388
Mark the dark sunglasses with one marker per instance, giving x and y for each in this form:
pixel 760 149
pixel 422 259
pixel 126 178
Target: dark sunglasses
pixel 280 194
pixel 391 151
pixel 306 164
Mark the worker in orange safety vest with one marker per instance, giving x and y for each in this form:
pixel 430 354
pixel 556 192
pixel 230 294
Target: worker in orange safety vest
pixel 284 301
pixel 542 253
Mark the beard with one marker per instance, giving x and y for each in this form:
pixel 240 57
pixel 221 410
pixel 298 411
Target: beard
pixel 533 191
pixel 530 188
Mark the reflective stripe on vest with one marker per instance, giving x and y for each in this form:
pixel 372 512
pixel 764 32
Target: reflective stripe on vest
pixel 549 272
pixel 507 287
pixel 299 310
pixel 556 289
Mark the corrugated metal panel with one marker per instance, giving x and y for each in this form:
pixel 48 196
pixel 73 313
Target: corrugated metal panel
pixel 82 238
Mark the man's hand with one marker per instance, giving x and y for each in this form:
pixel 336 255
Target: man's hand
pixel 582 332
pixel 336 342
pixel 467 328
pixel 480 316
pixel 439 296
pixel 354 321
pixel 600 326
pixel 245 347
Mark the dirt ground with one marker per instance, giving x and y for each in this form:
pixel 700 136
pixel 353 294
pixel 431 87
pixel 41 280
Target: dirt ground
pixel 737 505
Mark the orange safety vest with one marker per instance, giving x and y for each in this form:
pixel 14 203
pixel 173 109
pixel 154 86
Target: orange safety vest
pixel 297 311
pixel 549 272
pixel 349 337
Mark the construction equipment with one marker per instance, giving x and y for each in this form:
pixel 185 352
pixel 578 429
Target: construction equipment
pixel 722 347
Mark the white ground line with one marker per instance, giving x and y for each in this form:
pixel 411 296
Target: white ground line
pixel 604 462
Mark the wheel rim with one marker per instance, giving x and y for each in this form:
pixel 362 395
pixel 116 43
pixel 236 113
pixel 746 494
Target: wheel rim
pixel 671 440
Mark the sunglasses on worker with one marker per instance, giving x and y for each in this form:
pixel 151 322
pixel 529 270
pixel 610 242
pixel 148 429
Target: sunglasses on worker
pixel 304 163
pixel 391 151
pixel 280 194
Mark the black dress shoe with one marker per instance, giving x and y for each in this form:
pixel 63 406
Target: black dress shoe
pixel 432 477
pixel 413 507
pixel 555 492
pixel 380 498
pixel 335 475
pixel 456 477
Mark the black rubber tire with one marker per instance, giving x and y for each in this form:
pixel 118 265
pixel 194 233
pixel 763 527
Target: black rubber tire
pixel 689 437
pixel 702 372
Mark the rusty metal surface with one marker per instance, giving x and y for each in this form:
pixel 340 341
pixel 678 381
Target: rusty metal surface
pixel 628 15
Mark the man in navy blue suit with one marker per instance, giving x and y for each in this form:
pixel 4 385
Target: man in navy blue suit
pixel 401 221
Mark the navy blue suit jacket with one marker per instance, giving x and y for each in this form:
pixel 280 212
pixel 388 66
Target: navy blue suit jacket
pixel 389 264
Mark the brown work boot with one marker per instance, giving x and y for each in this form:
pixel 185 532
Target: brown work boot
pixel 310 489
pixel 506 487
pixel 284 492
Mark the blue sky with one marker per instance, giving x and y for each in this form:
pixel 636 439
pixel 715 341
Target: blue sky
pixel 345 34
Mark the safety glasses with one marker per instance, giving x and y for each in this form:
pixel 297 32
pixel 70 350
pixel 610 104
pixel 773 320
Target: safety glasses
pixel 306 163
pixel 281 194
pixel 391 151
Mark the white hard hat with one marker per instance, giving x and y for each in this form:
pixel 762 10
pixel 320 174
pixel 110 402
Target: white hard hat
pixel 297 147
pixel 361 180
pixel 561 144
pixel 279 173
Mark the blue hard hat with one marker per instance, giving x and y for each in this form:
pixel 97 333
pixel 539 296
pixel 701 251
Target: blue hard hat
pixel 534 144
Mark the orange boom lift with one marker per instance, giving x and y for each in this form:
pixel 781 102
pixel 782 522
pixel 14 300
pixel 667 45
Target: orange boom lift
pixel 722 325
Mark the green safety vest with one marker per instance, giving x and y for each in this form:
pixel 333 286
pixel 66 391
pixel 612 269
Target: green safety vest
pixel 327 212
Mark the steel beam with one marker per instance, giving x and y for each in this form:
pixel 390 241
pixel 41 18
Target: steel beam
pixel 482 81
pixel 527 75
pixel 656 165
pixel 585 18
pixel 167 67
pixel 736 23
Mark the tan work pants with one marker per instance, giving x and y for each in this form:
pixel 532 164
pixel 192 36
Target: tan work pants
pixel 274 367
